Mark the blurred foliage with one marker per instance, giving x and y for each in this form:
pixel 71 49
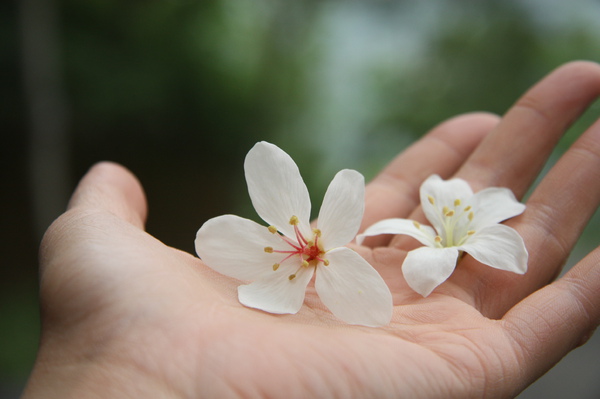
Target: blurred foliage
pixel 179 90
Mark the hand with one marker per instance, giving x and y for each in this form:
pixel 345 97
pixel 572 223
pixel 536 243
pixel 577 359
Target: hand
pixel 126 316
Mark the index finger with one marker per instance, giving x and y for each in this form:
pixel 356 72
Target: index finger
pixel 515 152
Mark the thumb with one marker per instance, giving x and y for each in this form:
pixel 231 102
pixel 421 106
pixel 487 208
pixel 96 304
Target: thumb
pixel 113 188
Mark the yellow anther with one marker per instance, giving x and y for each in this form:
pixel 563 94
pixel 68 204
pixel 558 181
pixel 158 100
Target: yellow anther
pixel 272 229
pixel 291 277
pixel 445 210
pixel 438 239
pixel 467 209
pixel 294 220
pixel 269 250
pixel 417 224
pixel 310 243
pixel 431 200
pixel 471 214
pixel 325 262
pixel 449 214
pixel 275 266
pixel 470 232
pixel 317 232
pixel 456 202
pixel 304 263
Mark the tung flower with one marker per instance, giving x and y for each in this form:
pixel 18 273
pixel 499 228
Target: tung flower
pixel 462 222
pixel 280 259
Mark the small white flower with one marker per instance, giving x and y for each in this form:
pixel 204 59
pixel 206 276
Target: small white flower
pixel 282 258
pixel 462 222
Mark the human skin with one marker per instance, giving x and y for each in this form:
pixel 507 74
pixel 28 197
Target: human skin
pixel 125 316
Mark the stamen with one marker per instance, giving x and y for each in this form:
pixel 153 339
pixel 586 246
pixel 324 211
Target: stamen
pixel 449 214
pixel 467 209
pixel 269 250
pixel 275 267
pixel 431 200
pixel 290 242
pixel 291 253
pixel 466 237
pixel 299 237
pixel 456 202
pixel 325 262
pixel 445 210
pixel 293 276
pixel 317 232
pixel 438 239
pixel 272 229
pixel 283 252
pixel 417 224
pixel 471 216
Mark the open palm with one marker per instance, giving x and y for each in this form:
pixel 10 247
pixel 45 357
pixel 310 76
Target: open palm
pixel 126 316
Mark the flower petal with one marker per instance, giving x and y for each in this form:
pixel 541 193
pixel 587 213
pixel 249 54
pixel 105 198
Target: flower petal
pixel 500 247
pixel 275 292
pixel 493 205
pixel 426 268
pixel 424 234
pixel 234 246
pixel 444 193
pixel 342 209
pixel 276 188
pixel 353 290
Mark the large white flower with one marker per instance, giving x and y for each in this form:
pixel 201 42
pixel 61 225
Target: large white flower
pixel 282 258
pixel 462 222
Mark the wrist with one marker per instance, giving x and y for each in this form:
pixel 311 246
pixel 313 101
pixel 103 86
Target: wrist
pixel 60 372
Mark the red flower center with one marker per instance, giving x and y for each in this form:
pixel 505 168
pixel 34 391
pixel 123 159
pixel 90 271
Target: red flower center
pixel 307 250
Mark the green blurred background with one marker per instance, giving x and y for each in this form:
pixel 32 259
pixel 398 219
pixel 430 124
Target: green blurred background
pixel 179 90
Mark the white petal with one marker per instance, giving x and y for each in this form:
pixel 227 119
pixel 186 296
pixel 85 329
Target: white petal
pixel 426 268
pixel 424 234
pixel 276 293
pixel 234 246
pixel 493 205
pixel 342 209
pixel 276 188
pixel 444 193
pixel 353 290
pixel 498 246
